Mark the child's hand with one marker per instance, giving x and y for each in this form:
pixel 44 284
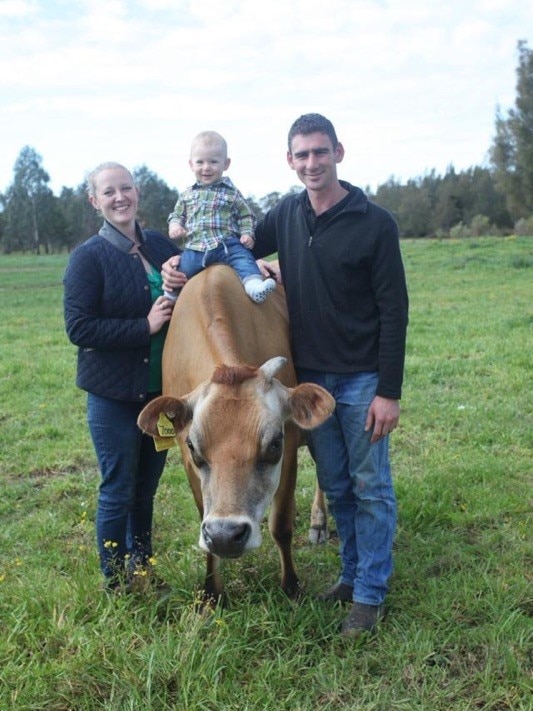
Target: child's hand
pixel 176 231
pixel 247 241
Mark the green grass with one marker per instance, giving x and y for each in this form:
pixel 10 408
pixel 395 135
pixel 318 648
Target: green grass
pixel 459 634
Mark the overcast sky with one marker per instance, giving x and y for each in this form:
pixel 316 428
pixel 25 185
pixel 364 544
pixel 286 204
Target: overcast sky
pixel 410 86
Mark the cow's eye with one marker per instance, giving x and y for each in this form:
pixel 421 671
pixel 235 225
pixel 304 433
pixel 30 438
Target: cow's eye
pixel 274 449
pixel 194 454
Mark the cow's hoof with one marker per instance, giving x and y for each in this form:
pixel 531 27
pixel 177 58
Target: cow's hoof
pixel 207 601
pixel 293 590
pixel 318 535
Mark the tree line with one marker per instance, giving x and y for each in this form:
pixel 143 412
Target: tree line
pixel 497 199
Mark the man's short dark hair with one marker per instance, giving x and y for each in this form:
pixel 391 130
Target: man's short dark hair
pixel 312 123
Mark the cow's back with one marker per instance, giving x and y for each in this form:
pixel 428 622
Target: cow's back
pixel 215 322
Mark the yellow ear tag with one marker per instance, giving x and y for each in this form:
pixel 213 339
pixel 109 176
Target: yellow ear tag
pixel 165 440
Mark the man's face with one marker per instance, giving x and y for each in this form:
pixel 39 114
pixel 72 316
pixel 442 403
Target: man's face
pixel 315 160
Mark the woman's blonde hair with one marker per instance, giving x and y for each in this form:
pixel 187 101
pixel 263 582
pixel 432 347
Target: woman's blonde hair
pixel 91 177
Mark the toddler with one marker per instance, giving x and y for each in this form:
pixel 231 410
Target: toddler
pixel 213 220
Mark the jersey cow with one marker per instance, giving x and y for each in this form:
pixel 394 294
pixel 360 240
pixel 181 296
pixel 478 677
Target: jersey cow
pixel 237 425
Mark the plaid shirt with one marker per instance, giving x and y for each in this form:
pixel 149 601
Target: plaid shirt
pixel 211 214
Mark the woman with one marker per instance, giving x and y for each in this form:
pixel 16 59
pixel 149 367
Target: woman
pixel 116 314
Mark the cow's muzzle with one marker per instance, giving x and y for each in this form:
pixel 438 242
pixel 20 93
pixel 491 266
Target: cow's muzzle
pixel 226 538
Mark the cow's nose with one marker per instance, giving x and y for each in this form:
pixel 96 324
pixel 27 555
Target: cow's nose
pixel 226 538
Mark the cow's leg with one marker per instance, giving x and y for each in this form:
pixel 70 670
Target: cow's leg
pixel 318 529
pixel 213 590
pixel 281 519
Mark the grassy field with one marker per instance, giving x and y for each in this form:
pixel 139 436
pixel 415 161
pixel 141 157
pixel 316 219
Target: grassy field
pixel 459 634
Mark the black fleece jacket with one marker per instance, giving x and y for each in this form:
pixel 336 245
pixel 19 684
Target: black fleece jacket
pixel 345 285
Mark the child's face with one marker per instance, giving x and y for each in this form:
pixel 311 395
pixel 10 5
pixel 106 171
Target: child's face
pixel 208 161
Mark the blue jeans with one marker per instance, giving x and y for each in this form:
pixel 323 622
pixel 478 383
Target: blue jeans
pixel 356 477
pixel 130 468
pixel 230 252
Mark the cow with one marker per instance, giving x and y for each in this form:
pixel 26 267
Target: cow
pixel 237 425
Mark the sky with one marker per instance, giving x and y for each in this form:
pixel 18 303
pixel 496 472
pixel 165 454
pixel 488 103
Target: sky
pixel 410 86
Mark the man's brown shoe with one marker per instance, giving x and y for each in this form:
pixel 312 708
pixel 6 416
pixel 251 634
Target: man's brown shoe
pixel 340 592
pixel 362 618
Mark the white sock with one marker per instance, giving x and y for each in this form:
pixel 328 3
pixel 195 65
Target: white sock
pixel 258 290
pixel 170 295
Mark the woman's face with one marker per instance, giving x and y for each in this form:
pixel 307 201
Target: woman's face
pixel 116 197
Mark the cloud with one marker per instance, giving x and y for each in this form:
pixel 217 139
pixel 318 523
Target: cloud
pixel 16 8
pixel 411 86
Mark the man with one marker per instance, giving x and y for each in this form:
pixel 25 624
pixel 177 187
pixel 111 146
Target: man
pixel 341 266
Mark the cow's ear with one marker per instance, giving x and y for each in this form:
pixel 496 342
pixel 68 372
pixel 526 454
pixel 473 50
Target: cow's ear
pixel 310 405
pixel 173 408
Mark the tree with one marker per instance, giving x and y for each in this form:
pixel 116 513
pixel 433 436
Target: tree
pixel 389 196
pixel 267 202
pixel 52 225
pixel 512 150
pixel 156 200
pixel 81 219
pixel 254 207
pixel 29 203
pixel 2 217
pixel 481 197
pixel 449 207
pixel 415 211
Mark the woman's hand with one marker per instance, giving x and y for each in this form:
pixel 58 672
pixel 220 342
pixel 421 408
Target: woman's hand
pixel 172 279
pixel 160 313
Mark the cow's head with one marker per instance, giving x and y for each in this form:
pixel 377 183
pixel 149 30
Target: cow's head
pixel 231 428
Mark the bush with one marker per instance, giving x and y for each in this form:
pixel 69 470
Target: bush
pixel 524 227
pixel 480 225
pixel 459 231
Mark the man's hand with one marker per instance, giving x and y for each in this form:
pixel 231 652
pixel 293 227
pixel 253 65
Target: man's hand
pixel 269 269
pixel 382 418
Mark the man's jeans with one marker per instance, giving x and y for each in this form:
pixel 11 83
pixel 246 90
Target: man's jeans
pixel 130 469
pixel 356 478
pixel 230 252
